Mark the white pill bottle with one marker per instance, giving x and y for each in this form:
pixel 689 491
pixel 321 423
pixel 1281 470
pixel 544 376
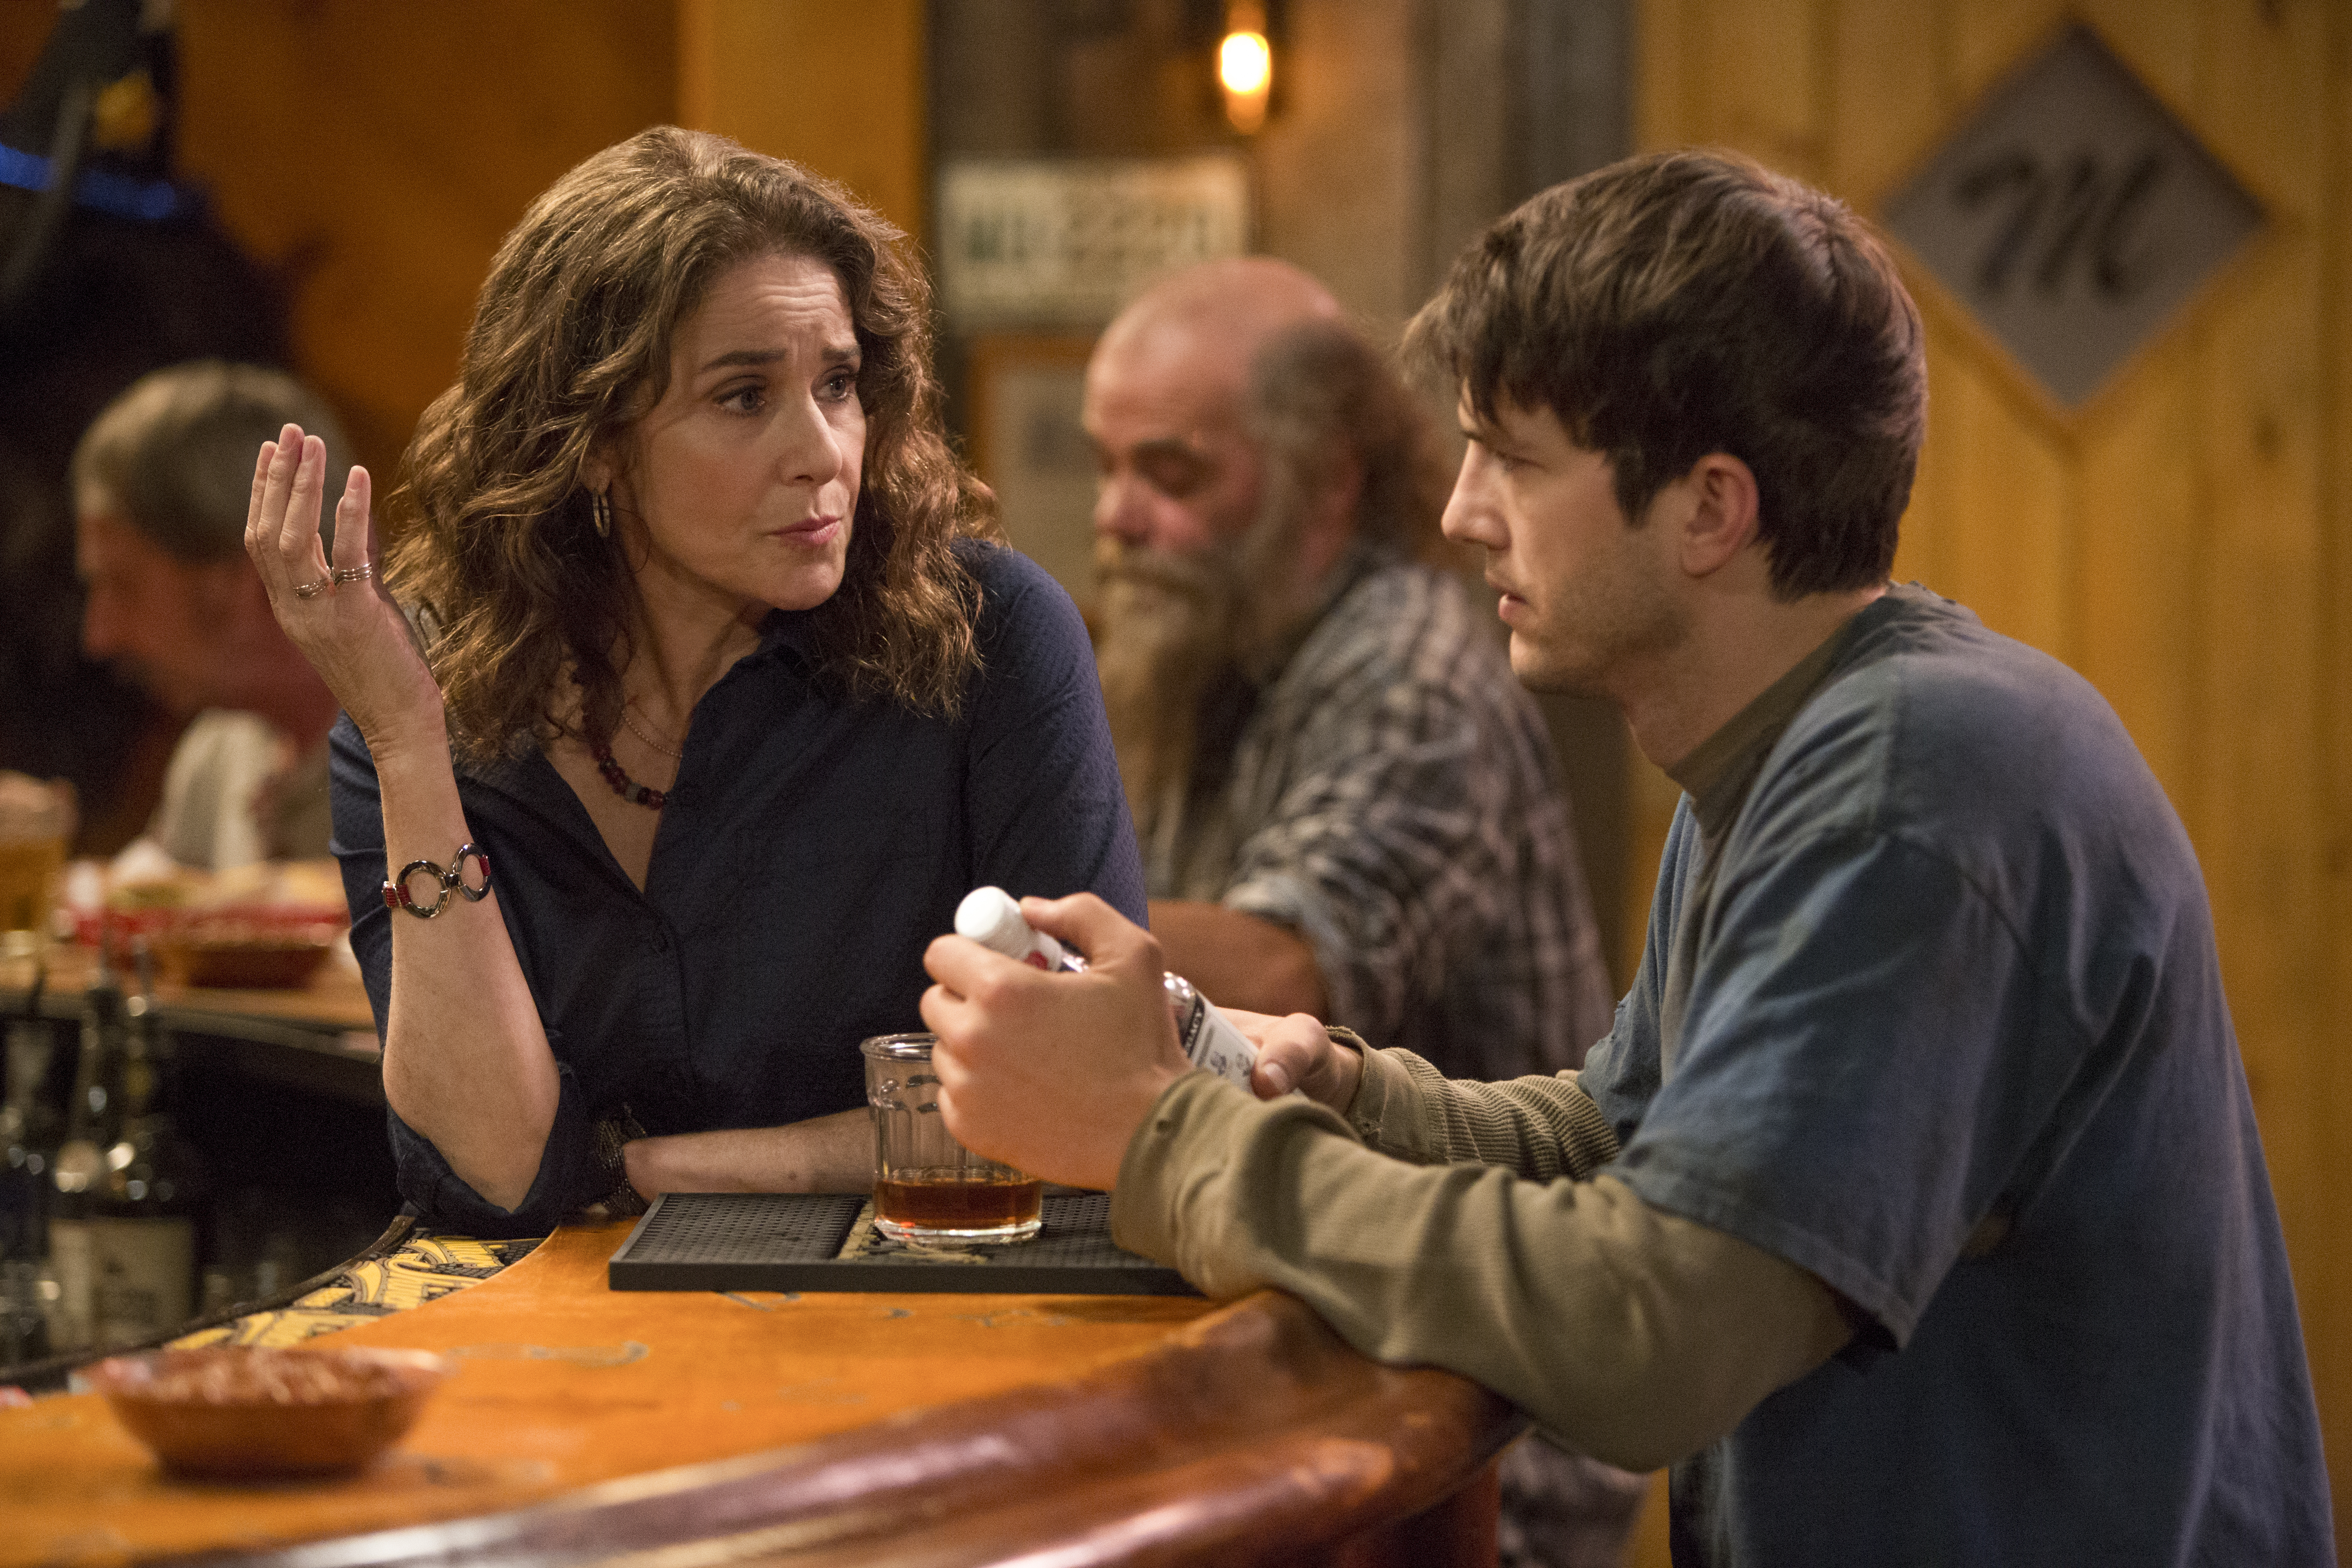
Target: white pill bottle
pixel 991 917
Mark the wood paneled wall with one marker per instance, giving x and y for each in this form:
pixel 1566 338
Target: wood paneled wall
pixel 838 88
pixel 377 154
pixel 2186 539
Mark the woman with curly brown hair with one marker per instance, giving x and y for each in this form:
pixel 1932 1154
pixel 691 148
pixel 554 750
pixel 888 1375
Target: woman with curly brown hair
pixel 713 654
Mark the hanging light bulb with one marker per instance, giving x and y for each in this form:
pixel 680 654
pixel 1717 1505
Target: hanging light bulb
pixel 1245 65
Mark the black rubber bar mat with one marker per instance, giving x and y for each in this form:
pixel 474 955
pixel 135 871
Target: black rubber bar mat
pixel 827 1241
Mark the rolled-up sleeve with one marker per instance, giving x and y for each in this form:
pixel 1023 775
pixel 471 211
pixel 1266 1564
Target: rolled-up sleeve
pixel 568 1178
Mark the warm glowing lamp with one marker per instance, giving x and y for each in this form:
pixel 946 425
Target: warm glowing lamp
pixel 1245 66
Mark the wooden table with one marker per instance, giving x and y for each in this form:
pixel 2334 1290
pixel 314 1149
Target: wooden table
pixel 827 1429
pixel 319 1036
pixel 334 999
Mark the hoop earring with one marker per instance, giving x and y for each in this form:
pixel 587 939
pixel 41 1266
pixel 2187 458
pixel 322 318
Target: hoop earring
pixel 600 512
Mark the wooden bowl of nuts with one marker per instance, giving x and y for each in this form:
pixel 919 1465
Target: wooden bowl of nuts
pixel 231 1413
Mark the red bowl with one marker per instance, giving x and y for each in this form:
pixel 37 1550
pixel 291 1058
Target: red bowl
pixel 231 1413
pixel 254 962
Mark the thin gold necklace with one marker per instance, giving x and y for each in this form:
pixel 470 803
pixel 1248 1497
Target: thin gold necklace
pixel 631 726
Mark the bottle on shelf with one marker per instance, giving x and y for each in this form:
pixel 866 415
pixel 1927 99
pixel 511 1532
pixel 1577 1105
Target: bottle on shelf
pixel 991 917
pixel 29 1136
pixel 129 1191
pixel 144 1216
pixel 92 1121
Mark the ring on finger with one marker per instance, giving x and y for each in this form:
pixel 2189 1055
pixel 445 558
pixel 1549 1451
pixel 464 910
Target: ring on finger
pixel 312 590
pixel 362 573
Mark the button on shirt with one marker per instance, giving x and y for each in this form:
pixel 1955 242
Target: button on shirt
pixel 811 848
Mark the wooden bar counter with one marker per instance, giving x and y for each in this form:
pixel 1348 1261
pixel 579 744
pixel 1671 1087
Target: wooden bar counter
pixel 584 1423
pixel 331 1005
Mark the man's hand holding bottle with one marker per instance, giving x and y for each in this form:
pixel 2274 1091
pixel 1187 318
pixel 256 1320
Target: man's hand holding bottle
pixel 1054 1070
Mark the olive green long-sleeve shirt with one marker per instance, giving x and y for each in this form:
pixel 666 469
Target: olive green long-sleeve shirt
pixel 1466 1225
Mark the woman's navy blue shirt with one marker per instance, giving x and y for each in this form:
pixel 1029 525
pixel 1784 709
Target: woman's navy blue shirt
pixel 811 847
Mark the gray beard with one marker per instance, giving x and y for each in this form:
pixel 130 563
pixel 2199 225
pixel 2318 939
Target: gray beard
pixel 1167 632
pixel 1171 626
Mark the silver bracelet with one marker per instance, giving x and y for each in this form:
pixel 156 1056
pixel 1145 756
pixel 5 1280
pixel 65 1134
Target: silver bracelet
pixel 446 880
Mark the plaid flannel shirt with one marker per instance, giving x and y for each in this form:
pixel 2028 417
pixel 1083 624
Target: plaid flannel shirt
pixel 1393 798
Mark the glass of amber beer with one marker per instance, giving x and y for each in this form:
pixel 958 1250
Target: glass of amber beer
pixel 36 823
pixel 929 1189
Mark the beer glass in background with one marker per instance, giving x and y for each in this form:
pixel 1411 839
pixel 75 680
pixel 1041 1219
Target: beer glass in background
pixel 929 1189
pixel 36 823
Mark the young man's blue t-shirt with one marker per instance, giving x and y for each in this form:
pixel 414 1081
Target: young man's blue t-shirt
pixel 1953 1040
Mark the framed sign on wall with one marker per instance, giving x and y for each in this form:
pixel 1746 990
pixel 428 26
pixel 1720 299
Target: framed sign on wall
pixel 1026 391
pixel 1061 243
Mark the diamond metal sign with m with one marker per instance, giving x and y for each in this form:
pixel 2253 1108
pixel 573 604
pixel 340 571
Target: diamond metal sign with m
pixel 2074 214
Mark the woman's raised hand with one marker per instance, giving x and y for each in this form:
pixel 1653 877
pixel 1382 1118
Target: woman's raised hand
pixel 337 613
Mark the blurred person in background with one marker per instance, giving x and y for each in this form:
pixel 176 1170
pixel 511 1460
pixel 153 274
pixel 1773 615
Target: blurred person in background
pixel 161 484
pixel 1347 805
pixel 717 657
pixel 110 266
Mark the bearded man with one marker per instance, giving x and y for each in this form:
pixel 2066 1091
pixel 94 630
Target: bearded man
pixel 1347 807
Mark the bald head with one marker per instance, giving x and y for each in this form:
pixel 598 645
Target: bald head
pixel 1209 321
pixel 1166 396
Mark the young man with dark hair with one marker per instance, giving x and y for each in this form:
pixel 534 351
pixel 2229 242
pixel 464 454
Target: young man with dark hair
pixel 1914 1208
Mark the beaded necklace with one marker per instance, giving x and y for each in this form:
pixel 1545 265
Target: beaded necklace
pixel 624 787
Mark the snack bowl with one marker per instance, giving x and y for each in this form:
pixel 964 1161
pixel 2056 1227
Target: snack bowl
pixel 253 961
pixel 226 1412
pixel 250 948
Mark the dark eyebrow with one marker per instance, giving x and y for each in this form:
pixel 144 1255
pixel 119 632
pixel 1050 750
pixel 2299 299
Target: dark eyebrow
pixel 839 354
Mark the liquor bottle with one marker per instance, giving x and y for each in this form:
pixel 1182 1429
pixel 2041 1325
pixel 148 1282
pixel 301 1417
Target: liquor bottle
pixel 143 1216
pixel 991 917
pixel 30 1135
pixel 92 1120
